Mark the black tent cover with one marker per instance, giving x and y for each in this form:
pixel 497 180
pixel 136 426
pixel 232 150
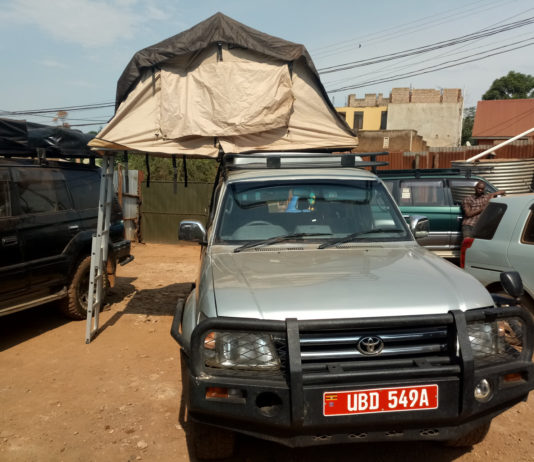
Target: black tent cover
pixel 21 138
pixel 218 28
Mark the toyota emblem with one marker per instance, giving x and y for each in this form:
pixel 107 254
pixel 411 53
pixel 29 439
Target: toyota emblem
pixel 370 345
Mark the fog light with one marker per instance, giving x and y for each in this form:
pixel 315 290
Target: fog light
pixel 483 391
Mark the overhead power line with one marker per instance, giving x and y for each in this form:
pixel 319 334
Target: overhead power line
pixel 428 48
pixel 444 65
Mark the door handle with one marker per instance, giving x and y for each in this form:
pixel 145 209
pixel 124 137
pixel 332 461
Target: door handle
pixel 9 241
pixel 460 218
pixel 74 228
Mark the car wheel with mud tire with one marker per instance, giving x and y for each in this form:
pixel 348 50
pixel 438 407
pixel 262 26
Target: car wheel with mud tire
pixel 75 305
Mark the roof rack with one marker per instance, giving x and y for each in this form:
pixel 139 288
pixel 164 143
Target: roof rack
pixel 422 172
pixel 304 160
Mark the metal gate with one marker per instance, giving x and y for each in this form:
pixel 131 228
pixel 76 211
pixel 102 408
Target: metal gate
pixel 165 203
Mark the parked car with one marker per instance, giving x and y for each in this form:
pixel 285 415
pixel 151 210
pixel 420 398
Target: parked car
pixel 327 322
pixel 48 214
pixel 438 195
pixel 503 241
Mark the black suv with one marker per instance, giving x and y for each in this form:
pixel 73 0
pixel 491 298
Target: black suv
pixel 48 214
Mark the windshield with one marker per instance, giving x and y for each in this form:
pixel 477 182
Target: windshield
pixel 316 211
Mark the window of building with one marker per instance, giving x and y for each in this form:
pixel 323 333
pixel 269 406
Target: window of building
pixel 383 120
pixel 358 121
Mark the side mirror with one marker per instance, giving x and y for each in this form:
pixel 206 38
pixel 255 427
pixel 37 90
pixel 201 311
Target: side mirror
pixel 512 283
pixel 192 231
pixel 420 226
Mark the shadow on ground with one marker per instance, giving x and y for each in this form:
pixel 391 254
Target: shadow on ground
pixel 150 302
pixel 22 326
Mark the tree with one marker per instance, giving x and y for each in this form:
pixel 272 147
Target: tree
pixel 161 169
pixel 467 124
pixel 514 85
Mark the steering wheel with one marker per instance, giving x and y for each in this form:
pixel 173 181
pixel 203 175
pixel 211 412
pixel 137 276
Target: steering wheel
pixel 258 222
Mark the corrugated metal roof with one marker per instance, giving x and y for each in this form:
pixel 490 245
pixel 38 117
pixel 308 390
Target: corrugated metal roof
pixel 503 118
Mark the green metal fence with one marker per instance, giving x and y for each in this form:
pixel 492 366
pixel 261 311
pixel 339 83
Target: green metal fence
pixel 162 209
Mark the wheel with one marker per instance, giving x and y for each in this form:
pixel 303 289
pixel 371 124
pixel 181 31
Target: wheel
pixel 75 305
pixel 470 439
pixel 212 443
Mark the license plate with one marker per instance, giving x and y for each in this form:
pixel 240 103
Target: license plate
pixel 419 397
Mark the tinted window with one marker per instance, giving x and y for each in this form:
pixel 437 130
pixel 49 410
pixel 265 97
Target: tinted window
pixel 489 221
pixel 41 190
pixel 422 192
pixel 5 196
pixel 528 232
pixel 462 188
pixel 84 187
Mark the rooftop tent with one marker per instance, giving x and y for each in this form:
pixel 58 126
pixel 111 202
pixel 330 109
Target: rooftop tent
pixel 222 82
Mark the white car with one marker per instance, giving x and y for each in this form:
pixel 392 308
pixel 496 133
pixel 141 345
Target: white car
pixel 503 241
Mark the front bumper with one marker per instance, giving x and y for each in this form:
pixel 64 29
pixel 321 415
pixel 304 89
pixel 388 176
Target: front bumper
pixel 289 409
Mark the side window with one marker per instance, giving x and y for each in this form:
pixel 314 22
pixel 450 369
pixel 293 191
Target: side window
pixel 84 187
pixel 390 184
pixel 528 232
pixel 461 188
pixel 489 221
pixel 41 190
pixel 422 192
pixel 5 195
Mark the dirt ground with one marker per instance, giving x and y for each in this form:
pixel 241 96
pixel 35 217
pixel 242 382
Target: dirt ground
pixel 119 397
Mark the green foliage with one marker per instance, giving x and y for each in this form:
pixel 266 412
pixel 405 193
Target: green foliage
pixel 467 124
pixel 161 169
pixel 514 85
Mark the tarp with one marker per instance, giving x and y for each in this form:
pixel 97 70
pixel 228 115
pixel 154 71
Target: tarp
pixel 223 83
pixel 18 137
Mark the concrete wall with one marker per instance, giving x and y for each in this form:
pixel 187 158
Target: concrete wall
pixel 440 124
pixel 390 140
pixel 371 116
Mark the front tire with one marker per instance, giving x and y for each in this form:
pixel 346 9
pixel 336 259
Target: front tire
pixel 75 305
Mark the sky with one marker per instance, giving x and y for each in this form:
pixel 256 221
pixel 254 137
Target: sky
pixel 62 53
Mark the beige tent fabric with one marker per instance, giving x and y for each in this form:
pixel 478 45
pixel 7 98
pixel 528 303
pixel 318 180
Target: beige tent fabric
pixel 151 118
pixel 135 126
pixel 225 99
pixel 312 125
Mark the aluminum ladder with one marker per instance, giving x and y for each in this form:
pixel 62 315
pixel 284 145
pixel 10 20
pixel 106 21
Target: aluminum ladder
pixel 99 248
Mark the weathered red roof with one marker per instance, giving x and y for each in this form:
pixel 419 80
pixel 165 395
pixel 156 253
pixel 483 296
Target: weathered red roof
pixel 503 118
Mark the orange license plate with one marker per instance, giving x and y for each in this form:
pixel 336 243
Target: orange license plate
pixel 416 398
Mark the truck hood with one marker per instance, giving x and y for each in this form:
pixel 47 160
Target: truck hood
pixel 341 283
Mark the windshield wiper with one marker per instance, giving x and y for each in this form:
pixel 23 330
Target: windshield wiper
pixel 277 239
pixel 353 236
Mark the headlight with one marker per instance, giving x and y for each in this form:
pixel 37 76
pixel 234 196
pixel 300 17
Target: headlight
pixel 240 351
pixel 496 342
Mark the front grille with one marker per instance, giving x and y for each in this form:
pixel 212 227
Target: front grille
pixel 423 351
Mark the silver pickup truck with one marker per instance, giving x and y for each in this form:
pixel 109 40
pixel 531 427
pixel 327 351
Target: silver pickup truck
pixel 317 318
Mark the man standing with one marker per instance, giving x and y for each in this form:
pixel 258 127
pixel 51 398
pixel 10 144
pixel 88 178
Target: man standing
pixel 474 205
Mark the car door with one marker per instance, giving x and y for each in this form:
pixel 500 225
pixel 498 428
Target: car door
pixel 521 248
pixel 426 196
pixel 47 224
pixel 13 275
pixel 459 189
